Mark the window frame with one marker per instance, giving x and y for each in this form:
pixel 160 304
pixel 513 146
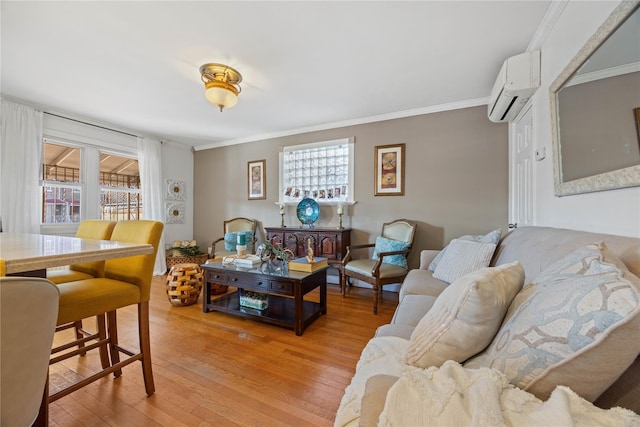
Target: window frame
pixel 89 184
pixel 349 200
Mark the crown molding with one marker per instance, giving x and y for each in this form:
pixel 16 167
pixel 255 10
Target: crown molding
pixel 546 25
pixel 352 122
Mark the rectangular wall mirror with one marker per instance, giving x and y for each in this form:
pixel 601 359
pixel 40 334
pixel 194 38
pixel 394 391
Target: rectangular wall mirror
pixel 594 116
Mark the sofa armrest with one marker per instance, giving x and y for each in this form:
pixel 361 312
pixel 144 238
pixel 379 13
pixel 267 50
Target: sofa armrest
pixel 426 256
pixel 374 398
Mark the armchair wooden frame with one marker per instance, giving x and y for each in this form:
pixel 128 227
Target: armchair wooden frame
pixel 374 277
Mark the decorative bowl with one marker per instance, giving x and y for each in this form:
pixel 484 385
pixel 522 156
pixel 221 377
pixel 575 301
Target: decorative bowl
pixel 308 211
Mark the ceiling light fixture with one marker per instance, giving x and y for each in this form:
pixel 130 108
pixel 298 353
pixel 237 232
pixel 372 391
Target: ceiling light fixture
pixel 222 84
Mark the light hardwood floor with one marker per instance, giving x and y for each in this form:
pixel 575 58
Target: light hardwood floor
pixel 215 369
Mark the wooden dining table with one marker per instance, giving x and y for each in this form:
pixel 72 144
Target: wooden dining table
pixel 32 254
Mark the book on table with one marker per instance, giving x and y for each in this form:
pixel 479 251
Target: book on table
pixel 303 264
pixel 242 261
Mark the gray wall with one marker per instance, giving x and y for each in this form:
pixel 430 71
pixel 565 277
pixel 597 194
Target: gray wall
pixel 456 179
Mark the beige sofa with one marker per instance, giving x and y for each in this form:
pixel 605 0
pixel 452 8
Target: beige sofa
pixel 535 248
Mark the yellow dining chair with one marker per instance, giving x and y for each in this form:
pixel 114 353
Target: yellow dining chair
pixel 126 281
pixel 389 262
pixel 3 268
pixel 25 345
pixel 88 229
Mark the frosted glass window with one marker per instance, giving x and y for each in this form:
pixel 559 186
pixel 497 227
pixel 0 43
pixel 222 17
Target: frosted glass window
pixel 322 171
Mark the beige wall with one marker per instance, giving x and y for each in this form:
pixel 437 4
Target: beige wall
pixel 456 179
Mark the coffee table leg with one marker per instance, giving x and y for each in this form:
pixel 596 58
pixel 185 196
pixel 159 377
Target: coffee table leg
pixel 207 296
pixel 298 309
pixel 323 295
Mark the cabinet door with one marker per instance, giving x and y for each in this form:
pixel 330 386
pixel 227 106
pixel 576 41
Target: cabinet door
pixel 327 246
pixel 276 239
pixel 298 241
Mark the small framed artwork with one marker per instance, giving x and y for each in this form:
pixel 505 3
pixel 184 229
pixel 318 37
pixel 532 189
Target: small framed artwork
pixel 257 180
pixel 175 213
pixel 389 170
pixel 175 189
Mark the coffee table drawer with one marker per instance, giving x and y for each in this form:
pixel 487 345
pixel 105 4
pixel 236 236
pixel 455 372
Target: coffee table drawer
pixel 248 282
pixel 281 287
pixel 216 277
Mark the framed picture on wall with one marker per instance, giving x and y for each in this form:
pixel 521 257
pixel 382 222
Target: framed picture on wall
pixel 175 213
pixel 175 189
pixel 389 170
pixel 257 180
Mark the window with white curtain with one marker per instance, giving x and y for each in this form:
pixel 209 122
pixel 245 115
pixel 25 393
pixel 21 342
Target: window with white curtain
pixel 62 189
pixel 82 181
pixel 120 197
pixel 322 171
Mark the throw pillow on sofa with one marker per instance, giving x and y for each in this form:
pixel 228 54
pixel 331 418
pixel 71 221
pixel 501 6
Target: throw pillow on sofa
pixel 463 257
pixel 389 245
pixel 465 317
pixel 491 237
pixel 576 325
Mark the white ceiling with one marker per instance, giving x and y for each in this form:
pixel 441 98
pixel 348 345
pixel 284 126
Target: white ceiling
pixel 305 65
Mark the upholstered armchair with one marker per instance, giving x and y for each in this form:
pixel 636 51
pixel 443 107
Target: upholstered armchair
pixel 226 245
pixel 389 262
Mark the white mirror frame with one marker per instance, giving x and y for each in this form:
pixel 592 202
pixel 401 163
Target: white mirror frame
pixel 621 178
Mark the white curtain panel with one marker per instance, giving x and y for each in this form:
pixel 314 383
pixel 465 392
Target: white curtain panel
pixel 20 162
pixel 150 164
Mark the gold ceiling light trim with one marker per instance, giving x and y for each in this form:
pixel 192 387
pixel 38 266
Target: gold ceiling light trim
pixel 222 84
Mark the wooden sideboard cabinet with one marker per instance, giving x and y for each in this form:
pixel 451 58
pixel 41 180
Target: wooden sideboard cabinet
pixel 329 243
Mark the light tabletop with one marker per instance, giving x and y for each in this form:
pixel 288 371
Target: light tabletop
pixel 29 252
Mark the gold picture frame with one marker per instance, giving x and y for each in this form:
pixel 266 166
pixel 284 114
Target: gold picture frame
pixel 257 179
pixel 389 170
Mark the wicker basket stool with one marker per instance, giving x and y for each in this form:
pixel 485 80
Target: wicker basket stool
pixel 184 283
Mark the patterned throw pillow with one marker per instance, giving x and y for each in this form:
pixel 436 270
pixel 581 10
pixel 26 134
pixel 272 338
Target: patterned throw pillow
pixel 463 257
pixel 389 245
pixel 230 240
pixel 465 317
pixel 491 237
pixel 576 324
pixel 249 240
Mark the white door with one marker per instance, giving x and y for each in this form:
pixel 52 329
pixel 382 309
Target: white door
pixel 521 169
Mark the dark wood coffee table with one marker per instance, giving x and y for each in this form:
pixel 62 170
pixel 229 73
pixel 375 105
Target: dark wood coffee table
pixel 285 290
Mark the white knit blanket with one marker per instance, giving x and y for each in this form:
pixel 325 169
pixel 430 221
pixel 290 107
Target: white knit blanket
pixel 454 396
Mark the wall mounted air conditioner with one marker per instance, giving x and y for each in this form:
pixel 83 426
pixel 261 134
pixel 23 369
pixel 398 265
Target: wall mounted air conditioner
pixel 517 81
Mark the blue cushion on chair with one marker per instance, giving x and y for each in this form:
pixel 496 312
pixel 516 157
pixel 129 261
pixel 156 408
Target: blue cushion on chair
pixel 230 240
pixel 249 240
pixel 388 245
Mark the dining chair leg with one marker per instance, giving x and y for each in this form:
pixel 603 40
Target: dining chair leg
pixel 102 335
pixel 77 326
pixel 42 420
pixel 145 346
pixel 112 331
